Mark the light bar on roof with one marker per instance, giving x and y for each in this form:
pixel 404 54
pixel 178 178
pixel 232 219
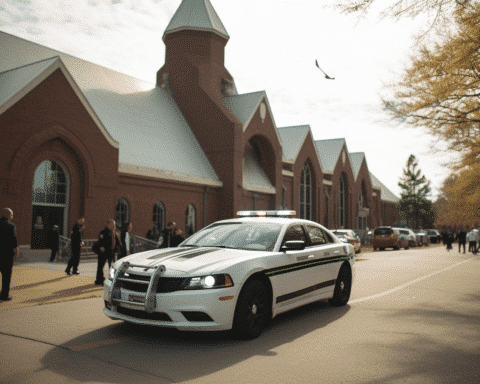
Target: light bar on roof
pixel 279 213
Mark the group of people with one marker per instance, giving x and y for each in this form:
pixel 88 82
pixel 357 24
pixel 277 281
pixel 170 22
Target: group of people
pixel 171 236
pixel 472 238
pixel 112 243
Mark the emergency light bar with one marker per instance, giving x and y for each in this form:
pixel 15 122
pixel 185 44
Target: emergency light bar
pixel 280 213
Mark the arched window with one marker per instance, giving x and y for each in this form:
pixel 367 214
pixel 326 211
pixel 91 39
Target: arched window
pixel 50 199
pixel 306 193
pixel 158 220
pixel 190 220
pixel 49 184
pixel 122 213
pixel 342 201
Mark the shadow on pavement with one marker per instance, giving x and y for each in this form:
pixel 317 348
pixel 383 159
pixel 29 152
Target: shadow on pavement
pixel 180 356
pixel 78 292
pixel 39 283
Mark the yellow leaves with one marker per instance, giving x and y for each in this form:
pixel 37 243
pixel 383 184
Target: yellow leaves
pixel 459 202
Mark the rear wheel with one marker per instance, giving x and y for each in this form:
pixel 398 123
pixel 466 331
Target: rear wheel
pixel 343 287
pixel 252 312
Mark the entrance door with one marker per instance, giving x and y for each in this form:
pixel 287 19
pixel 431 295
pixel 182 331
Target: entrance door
pixel 43 220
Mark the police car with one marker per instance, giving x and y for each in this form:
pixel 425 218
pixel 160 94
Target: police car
pixel 233 274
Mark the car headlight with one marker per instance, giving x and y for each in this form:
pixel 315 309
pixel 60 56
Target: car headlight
pixel 208 282
pixel 111 273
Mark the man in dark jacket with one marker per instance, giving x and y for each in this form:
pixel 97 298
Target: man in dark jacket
pixel 107 242
pixel 462 240
pixel 164 241
pixel 76 243
pixel 8 251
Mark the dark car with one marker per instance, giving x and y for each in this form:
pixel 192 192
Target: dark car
pixel 434 236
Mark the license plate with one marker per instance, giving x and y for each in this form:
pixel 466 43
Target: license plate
pixel 136 299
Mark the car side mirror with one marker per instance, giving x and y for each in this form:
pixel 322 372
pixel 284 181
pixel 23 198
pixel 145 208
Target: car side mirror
pixel 293 245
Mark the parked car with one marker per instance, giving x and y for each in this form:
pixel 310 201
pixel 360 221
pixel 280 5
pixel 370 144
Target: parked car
pixel 422 238
pixel 388 237
pixel 410 236
pixel 349 235
pixel 434 236
pixel 233 274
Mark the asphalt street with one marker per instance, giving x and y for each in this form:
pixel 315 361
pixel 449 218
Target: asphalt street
pixel 414 317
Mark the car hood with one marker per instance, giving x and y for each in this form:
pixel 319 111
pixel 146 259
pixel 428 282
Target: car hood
pixel 188 261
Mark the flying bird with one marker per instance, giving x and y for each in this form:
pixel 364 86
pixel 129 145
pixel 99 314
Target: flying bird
pixel 326 76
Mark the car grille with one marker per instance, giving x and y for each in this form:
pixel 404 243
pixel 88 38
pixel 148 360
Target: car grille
pixel 165 284
pixel 159 316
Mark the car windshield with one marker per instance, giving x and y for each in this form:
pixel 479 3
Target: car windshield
pixel 240 235
pixel 383 231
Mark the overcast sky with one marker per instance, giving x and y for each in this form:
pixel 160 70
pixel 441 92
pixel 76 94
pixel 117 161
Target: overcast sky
pixel 273 47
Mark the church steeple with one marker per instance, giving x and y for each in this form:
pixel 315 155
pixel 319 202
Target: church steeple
pixel 196 15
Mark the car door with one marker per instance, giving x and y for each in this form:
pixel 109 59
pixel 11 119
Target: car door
pixel 290 277
pixel 329 255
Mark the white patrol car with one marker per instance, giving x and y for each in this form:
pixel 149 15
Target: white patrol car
pixel 233 274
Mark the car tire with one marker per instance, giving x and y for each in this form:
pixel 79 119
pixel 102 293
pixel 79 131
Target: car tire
pixel 251 313
pixel 343 287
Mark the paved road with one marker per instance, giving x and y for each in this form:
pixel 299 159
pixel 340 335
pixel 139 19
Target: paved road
pixel 414 317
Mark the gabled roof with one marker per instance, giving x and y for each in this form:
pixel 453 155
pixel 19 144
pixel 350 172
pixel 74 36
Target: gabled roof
pixel 328 152
pixel 14 81
pixel 197 15
pixel 292 140
pixel 386 194
pixel 356 159
pixel 18 82
pixel 128 108
pixel 245 105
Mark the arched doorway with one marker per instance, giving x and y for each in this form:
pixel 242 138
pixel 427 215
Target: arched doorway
pixel 50 198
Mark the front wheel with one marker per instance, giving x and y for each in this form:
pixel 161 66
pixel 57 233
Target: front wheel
pixel 343 287
pixel 252 312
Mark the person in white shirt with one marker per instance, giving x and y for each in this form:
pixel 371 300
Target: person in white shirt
pixel 126 239
pixel 472 238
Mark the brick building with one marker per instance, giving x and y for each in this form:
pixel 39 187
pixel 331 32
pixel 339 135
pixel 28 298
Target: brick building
pixel 78 139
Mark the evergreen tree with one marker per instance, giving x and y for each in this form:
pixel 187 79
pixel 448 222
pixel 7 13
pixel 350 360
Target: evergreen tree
pixel 414 205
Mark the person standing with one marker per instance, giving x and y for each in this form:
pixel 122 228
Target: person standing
pixel 449 240
pixel 76 244
pixel 8 251
pixel 177 238
pixel 472 238
pixel 107 242
pixel 164 241
pixel 54 240
pixel 462 240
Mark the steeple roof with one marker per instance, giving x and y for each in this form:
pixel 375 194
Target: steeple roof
pixel 197 15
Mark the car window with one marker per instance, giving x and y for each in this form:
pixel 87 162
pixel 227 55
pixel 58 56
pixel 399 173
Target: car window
pixel 248 236
pixel 316 235
pixel 383 231
pixel 294 232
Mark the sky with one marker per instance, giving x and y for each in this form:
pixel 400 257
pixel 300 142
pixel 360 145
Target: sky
pixel 273 47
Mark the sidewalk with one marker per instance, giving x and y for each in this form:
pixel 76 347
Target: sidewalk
pixel 40 282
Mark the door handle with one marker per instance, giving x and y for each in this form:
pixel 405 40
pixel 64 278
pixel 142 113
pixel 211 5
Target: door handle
pixel 311 256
